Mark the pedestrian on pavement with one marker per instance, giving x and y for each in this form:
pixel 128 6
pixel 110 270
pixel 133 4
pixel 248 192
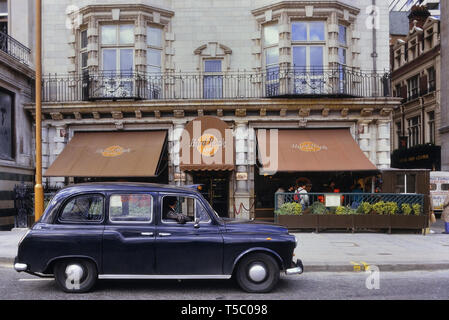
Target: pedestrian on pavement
pixel 445 215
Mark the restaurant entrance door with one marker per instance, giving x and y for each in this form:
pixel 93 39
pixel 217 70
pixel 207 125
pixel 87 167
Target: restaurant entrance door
pixel 215 189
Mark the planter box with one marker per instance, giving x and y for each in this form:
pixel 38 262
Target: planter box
pixel 408 222
pixel 333 221
pixel 354 222
pixel 371 221
pixel 308 221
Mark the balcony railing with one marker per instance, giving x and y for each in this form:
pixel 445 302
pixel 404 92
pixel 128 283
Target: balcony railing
pixel 342 82
pixel 14 48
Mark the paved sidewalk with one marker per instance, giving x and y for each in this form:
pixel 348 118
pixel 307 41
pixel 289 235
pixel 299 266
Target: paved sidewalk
pixel 338 252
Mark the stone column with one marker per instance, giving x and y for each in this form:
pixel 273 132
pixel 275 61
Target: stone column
pixel 57 144
pixel 174 149
pixel 364 139
pixel 383 144
pixel 242 195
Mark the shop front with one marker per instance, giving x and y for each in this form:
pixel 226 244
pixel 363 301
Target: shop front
pixel 318 160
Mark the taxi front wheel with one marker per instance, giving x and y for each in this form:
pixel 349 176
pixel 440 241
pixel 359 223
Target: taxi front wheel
pixel 75 275
pixel 257 273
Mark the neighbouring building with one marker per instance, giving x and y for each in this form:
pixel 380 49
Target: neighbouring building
pixel 433 6
pixel 16 82
pixel 416 78
pixel 126 85
pixel 444 129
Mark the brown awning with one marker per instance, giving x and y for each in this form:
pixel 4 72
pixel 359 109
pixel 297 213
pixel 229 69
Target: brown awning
pixel 207 144
pixel 311 151
pixel 110 154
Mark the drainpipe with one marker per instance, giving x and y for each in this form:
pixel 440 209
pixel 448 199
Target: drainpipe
pixel 374 54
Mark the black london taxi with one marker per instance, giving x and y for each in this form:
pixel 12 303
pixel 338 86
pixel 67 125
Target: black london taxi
pixel 150 231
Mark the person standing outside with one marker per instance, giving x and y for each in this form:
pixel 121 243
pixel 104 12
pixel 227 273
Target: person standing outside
pixel 303 199
pixel 445 215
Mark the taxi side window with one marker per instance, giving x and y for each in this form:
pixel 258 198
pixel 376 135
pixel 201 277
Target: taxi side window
pixel 84 208
pixel 178 207
pixel 131 208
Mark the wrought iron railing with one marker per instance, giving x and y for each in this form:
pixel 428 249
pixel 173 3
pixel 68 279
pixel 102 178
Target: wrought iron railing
pixel 24 202
pixel 341 81
pixel 14 48
pixel 349 200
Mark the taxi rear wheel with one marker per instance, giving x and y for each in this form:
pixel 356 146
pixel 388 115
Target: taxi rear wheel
pixel 75 275
pixel 257 273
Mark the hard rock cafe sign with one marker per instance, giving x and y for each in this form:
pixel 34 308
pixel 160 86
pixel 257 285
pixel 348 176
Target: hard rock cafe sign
pixel 207 144
pixel 308 146
pixel 113 151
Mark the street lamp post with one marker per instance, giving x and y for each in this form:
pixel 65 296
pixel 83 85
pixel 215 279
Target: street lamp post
pixel 38 189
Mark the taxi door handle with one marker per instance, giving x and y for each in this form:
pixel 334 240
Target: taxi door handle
pixel 147 234
pixel 163 234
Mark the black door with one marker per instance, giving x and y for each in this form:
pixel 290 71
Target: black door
pixel 183 249
pixel 129 235
pixel 215 189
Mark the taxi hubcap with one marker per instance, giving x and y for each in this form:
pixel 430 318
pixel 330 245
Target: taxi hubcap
pixel 74 272
pixel 257 272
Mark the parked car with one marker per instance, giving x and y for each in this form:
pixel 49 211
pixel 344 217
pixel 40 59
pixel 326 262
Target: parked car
pixel 439 189
pixel 148 231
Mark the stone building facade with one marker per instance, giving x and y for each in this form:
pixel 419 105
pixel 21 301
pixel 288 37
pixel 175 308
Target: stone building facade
pixel 158 65
pixel 444 129
pixel 416 78
pixel 16 82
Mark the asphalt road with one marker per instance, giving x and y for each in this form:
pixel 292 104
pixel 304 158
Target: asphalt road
pixel 419 285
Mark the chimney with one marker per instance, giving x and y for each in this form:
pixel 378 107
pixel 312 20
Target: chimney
pixel 418 16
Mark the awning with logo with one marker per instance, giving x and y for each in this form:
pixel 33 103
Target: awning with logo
pixel 110 154
pixel 310 150
pixel 207 144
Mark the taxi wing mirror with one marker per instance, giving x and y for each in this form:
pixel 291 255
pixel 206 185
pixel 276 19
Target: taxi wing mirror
pixel 197 223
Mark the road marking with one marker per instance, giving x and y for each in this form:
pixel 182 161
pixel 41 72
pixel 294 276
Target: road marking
pixel 357 267
pixel 360 266
pixel 37 279
pixel 6 265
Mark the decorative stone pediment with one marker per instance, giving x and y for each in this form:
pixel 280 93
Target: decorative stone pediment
pixel 214 50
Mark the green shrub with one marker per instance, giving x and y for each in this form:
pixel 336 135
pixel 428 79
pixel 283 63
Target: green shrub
pixel 345 211
pixel 416 209
pixel 318 208
pixel 379 207
pixel 290 209
pixel 365 208
pixel 406 209
pixel 391 208
pixel 340 211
